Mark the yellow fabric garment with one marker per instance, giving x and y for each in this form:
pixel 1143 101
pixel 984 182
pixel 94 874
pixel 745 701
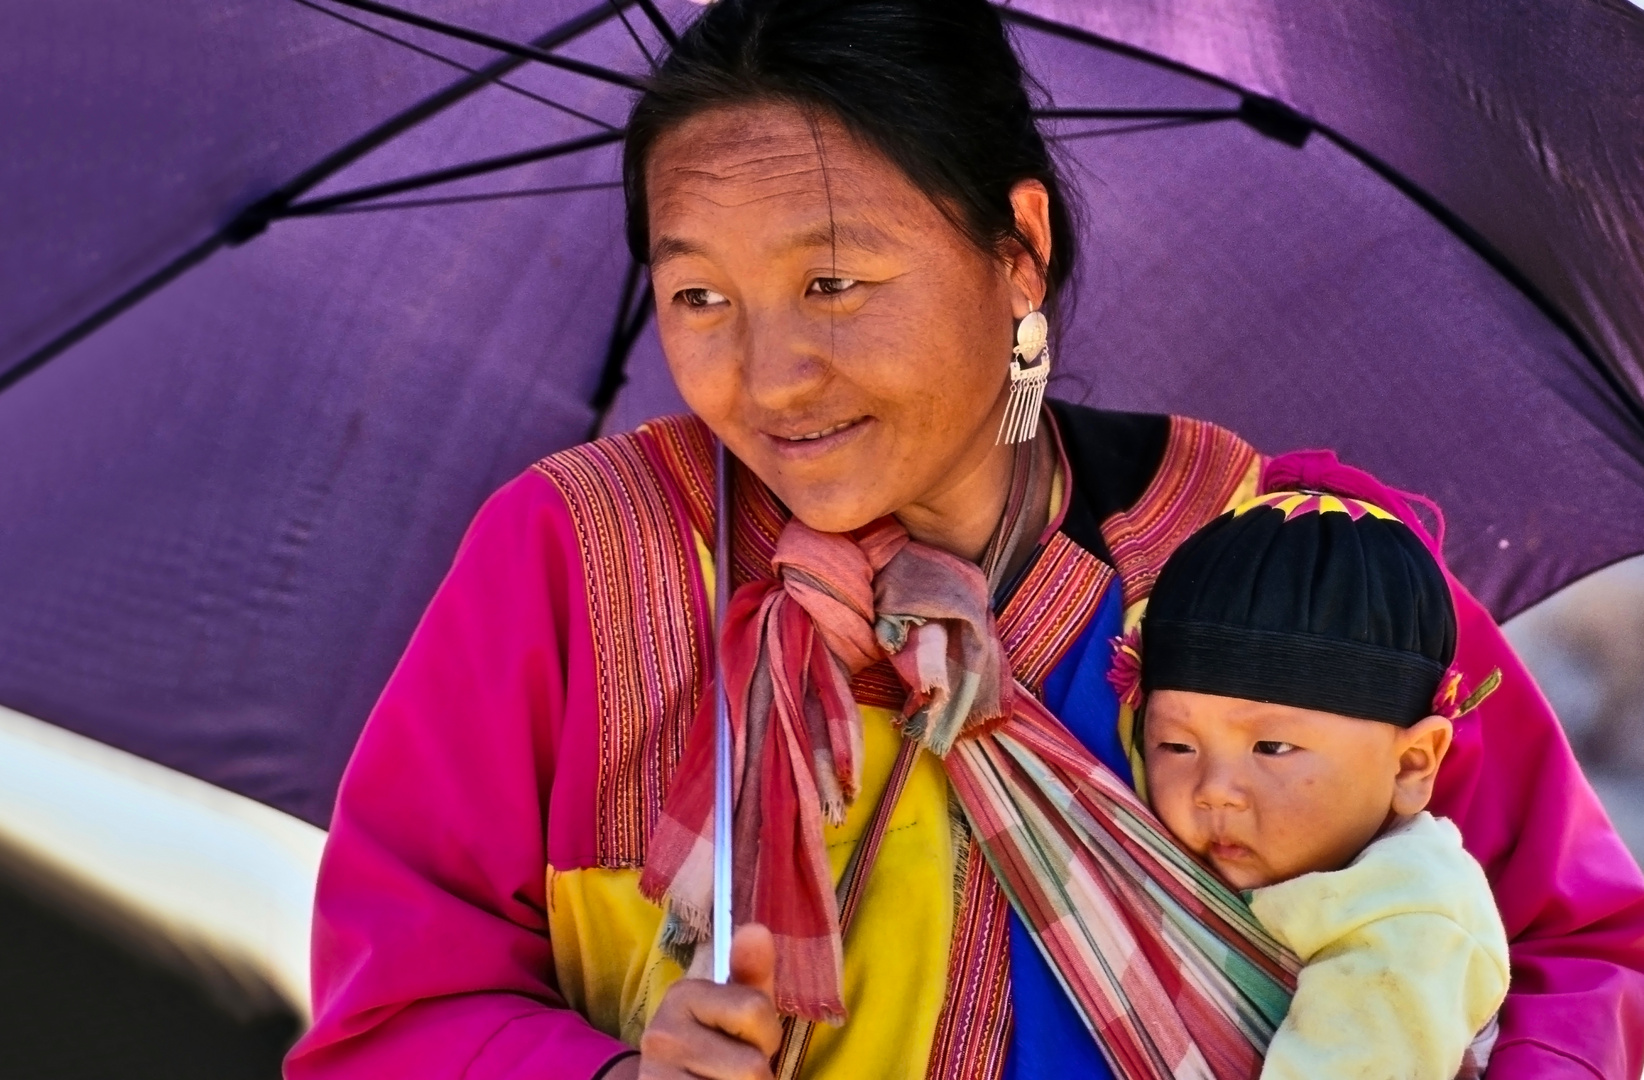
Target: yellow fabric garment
pixel 1405 954
pixel 609 965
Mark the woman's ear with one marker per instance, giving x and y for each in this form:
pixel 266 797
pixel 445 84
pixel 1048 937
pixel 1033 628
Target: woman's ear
pixel 1421 749
pixel 1031 201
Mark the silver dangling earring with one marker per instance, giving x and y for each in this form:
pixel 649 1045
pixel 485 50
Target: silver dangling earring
pixel 1029 374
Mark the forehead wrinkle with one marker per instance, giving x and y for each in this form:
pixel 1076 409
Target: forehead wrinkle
pixel 737 159
pixel 723 178
pixel 762 167
pixel 783 184
pixel 730 200
pixel 736 171
pixel 728 143
pixel 723 191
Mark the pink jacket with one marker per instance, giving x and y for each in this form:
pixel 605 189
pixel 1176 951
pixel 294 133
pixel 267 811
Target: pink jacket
pixel 431 951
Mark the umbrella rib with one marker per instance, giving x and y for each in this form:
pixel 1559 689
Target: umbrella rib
pixel 1132 129
pixel 628 26
pixel 448 175
pixel 609 381
pixel 449 62
pixel 105 314
pixel 255 217
pixel 1085 37
pixel 662 25
pixel 1135 114
pixel 457 200
pixel 1252 110
pixel 1625 399
pixel 491 41
pixel 630 323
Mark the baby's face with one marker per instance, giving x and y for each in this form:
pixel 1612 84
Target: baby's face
pixel 1264 793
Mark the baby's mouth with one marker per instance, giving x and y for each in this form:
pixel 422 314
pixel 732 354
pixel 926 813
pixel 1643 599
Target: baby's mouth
pixel 1228 851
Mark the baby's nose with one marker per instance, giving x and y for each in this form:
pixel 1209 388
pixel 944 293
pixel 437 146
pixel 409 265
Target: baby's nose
pixel 1220 789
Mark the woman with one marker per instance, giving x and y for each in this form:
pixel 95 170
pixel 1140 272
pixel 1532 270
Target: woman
pixel 847 213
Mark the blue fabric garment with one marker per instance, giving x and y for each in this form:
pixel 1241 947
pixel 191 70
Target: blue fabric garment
pixel 1049 1039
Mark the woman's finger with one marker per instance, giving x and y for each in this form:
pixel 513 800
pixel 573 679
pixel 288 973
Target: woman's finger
pixel 713 1032
pixel 753 958
pixel 740 1012
pixel 724 1059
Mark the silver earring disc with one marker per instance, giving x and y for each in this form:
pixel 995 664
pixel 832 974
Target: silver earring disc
pixel 1031 334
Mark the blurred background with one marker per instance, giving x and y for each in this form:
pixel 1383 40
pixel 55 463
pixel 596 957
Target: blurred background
pixel 1585 645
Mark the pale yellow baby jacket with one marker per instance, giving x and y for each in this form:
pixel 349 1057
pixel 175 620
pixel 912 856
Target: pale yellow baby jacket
pixel 1405 954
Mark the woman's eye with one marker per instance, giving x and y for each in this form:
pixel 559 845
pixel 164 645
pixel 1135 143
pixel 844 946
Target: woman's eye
pixel 1175 748
pixel 830 286
pixel 1271 748
pixel 699 298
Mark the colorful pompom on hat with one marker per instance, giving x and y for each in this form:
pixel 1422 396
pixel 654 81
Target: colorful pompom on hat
pixel 1305 599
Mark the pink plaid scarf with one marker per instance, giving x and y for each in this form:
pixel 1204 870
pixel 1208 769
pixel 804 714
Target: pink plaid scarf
pixel 1165 965
pixel 791 647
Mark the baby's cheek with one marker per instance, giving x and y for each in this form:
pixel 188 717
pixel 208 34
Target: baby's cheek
pixel 1172 801
pixel 1301 823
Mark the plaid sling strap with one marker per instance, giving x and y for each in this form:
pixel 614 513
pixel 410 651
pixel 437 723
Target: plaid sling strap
pixel 1169 970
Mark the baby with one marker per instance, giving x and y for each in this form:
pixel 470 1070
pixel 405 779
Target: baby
pixel 1298 703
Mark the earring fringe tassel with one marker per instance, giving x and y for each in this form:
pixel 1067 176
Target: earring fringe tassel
pixel 1029 375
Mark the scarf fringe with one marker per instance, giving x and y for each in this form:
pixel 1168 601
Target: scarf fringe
pixel 816 1014
pixel 683 929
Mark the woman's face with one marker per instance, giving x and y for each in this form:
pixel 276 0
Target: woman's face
pixel 825 318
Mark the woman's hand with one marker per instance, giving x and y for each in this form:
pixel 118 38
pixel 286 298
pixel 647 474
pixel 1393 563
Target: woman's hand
pixel 715 1032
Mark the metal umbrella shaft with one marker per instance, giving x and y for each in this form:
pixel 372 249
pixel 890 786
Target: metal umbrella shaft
pixel 722 731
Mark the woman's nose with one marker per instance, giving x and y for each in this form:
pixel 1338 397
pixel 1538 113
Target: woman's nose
pixel 784 363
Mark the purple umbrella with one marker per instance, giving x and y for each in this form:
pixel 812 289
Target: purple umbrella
pixel 295 285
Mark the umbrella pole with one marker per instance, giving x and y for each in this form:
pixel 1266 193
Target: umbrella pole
pixel 722 732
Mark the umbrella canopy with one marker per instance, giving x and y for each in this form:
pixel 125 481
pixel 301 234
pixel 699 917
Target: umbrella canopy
pixel 273 367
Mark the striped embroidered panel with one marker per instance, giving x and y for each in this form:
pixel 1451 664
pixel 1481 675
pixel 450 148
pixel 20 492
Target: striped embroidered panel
pixel 1204 467
pixel 973 1032
pixel 649 640
pixel 1205 471
pixel 1050 608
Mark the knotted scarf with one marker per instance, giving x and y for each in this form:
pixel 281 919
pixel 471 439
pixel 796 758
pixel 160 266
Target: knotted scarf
pixel 1171 972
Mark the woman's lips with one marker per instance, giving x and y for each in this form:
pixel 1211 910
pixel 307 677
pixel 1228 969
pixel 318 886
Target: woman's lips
pixel 818 441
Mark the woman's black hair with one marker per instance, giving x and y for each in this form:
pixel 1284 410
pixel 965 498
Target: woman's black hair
pixel 932 84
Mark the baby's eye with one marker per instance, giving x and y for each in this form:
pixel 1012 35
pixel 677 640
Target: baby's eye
pixel 1175 748
pixel 1273 749
pixel 699 298
pixel 830 286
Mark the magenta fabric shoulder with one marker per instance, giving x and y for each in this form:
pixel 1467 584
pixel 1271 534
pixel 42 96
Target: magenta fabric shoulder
pixel 1570 894
pixel 431 951
pixel 476 770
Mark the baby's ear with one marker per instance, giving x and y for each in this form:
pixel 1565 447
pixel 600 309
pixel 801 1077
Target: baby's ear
pixel 1421 747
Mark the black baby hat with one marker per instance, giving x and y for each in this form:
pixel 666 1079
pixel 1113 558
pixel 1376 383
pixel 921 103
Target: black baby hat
pixel 1304 599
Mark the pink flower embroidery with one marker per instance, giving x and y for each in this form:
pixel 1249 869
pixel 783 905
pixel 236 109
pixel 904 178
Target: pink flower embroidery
pixel 1126 673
